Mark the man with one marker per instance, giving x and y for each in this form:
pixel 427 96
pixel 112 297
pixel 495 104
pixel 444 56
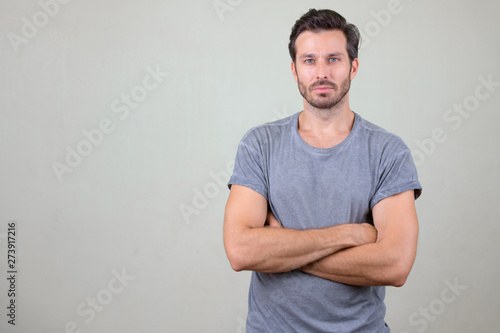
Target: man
pixel 321 207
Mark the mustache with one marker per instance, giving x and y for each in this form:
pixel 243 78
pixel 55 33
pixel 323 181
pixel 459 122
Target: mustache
pixel 324 83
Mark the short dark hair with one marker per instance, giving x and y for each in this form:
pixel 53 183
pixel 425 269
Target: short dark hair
pixel 325 19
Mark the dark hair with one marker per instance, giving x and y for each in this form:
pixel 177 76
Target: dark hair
pixel 325 19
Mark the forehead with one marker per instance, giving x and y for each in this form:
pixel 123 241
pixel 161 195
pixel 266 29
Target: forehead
pixel 324 41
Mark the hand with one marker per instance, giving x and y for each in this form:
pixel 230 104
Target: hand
pixel 364 233
pixel 357 233
pixel 272 222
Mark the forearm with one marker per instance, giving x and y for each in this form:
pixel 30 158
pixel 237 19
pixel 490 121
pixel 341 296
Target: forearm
pixel 275 250
pixel 389 260
pixel 372 264
pixel 251 245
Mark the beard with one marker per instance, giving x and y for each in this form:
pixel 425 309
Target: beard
pixel 323 101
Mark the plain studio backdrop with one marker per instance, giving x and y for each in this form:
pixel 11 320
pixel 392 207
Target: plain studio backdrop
pixel 119 122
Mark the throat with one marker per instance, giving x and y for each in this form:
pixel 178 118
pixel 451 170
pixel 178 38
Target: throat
pixel 323 141
pixel 320 133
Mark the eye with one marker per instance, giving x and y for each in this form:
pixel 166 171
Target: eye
pixel 309 61
pixel 333 59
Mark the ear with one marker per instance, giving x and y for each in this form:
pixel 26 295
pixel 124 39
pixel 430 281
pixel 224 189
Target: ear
pixel 294 71
pixel 354 68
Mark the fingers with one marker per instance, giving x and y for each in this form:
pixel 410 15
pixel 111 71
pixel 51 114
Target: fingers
pixel 370 233
pixel 362 233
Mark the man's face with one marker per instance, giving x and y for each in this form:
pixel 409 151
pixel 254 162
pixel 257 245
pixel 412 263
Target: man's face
pixel 322 68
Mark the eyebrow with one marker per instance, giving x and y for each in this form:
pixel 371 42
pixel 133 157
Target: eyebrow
pixel 313 55
pixel 307 55
pixel 336 54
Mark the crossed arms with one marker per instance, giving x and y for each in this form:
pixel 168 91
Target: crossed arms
pixel 357 254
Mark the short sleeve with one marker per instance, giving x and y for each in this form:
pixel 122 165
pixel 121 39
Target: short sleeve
pixel 249 166
pixel 397 173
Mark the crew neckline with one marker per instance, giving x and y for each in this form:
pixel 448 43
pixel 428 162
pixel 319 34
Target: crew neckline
pixel 324 150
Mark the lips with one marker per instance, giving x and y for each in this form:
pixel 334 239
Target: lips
pixel 323 89
pixel 323 86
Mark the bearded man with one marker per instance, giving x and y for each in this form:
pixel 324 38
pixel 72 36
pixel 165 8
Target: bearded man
pixel 321 206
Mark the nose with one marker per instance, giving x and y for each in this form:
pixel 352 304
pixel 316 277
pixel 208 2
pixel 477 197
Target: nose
pixel 321 71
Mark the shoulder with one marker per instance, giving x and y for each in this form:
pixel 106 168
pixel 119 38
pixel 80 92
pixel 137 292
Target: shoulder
pixel 379 138
pixel 262 135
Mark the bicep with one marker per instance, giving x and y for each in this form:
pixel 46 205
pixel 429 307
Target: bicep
pixel 395 219
pixel 245 208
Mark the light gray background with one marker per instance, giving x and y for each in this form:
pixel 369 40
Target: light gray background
pixel 120 210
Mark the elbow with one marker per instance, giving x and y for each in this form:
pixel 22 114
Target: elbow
pixel 236 264
pixel 399 275
pixel 237 259
pixel 398 269
pixel 399 281
pixel 241 253
pixel 394 279
pixel 234 253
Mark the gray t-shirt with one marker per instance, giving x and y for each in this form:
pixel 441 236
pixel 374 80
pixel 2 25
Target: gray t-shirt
pixel 309 188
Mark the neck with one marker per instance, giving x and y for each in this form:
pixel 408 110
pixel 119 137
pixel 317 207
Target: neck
pixel 325 128
pixel 339 118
